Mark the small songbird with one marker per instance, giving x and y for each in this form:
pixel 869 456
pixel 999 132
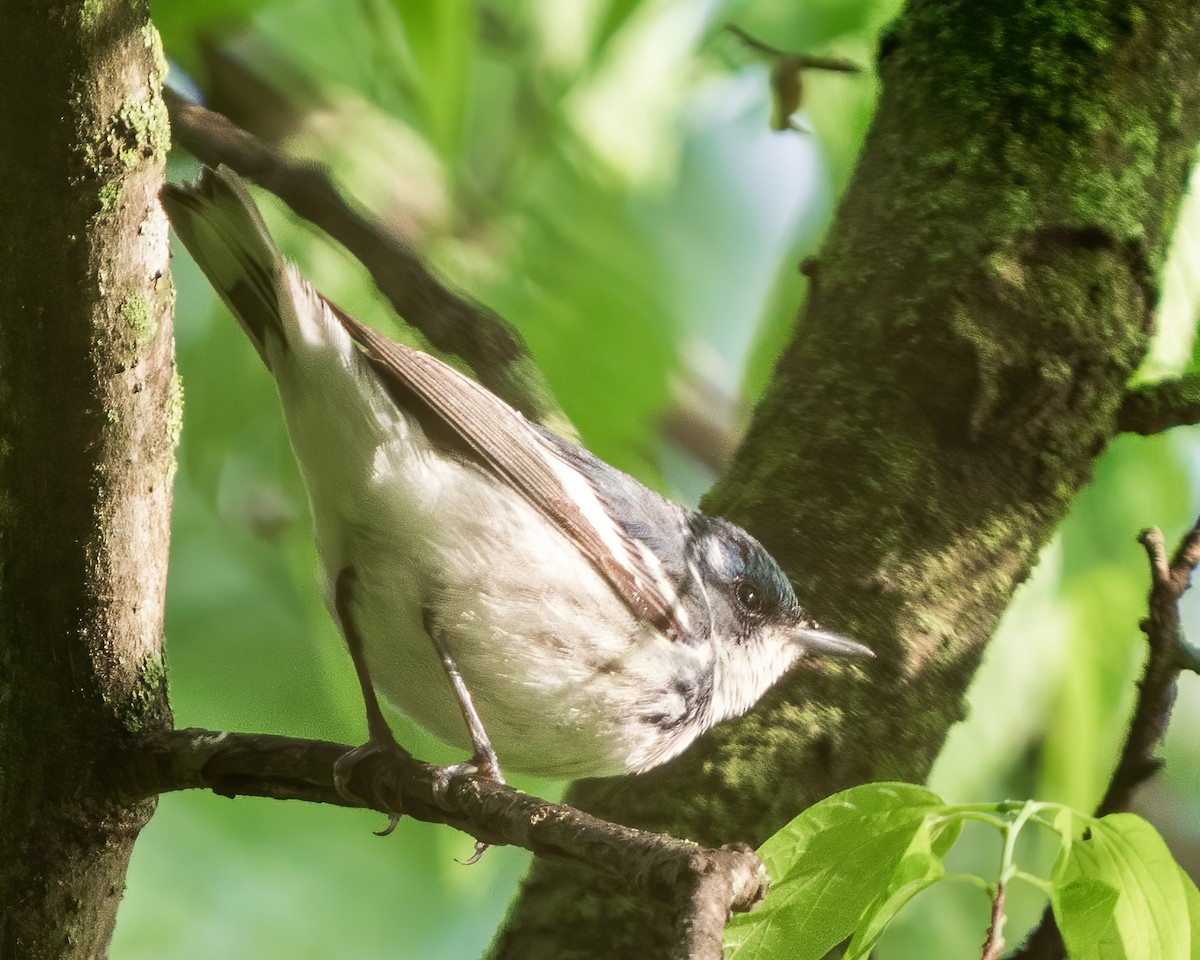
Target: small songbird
pixel 498 584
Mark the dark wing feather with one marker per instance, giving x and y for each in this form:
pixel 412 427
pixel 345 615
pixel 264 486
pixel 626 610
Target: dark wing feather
pixel 521 455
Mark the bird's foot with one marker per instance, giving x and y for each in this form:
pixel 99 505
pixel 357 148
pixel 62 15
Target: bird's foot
pixel 378 781
pixel 481 768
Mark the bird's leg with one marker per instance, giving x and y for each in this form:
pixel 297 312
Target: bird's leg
pixel 379 734
pixel 483 762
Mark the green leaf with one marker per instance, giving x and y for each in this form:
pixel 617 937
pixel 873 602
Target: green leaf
pixel 1086 914
pixel 442 38
pixel 1118 895
pixel 843 811
pixel 829 865
pixel 920 869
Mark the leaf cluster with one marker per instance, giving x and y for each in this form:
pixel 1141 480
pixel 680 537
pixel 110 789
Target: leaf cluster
pixel 847 866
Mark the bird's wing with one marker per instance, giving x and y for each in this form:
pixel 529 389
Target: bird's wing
pixel 445 401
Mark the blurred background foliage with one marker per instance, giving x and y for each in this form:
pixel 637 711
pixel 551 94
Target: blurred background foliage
pixel 601 172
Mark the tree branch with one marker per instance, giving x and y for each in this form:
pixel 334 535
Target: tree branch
pixel 993 943
pixel 799 61
pixel 451 323
pixel 1170 579
pixel 703 885
pixel 1169 653
pixel 1160 406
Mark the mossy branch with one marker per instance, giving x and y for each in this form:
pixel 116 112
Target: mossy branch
pixel 1160 406
pixel 701 885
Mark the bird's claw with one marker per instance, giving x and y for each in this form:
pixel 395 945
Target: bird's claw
pixel 479 768
pixel 346 765
pixel 482 768
pixel 480 849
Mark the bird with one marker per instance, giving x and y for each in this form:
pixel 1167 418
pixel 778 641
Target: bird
pixel 499 584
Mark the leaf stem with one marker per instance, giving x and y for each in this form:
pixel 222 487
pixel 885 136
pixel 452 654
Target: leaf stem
pixel 977 815
pixel 1008 866
pixel 974 880
pixel 1034 880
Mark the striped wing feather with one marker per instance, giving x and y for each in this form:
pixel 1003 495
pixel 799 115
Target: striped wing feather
pixel 517 452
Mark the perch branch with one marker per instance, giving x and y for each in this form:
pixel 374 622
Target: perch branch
pixel 1160 406
pixel 451 323
pixel 1169 653
pixel 706 884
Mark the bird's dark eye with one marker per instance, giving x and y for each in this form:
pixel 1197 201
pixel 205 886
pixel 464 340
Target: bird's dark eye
pixel 749 596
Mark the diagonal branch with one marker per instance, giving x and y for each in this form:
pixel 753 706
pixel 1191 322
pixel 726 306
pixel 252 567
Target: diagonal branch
pixel 1160 406
pixel 451 323
pixel 1169 653
pixel 705 885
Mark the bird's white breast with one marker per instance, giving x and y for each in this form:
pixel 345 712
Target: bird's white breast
pixel 561 672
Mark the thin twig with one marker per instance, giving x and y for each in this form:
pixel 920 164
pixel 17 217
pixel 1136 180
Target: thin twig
pixel 801 61
pixel 451 323
pixel 1156 690
pixel 993 944
pixel 1168 654
pixel 1160 406
pixel 708 884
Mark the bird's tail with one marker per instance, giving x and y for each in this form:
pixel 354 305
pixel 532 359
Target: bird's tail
pixel 218 222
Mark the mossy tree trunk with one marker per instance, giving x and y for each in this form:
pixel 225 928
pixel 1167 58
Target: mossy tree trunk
pixel 982 298
pixel 88 413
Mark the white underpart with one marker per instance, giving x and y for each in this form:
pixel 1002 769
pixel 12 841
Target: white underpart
pixel 510 592
pixel 740 681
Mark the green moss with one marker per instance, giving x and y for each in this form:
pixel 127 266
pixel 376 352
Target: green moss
pixel 138 132
pixel 153 675
pixel 153 43
pixel 1006 268
pixel 138 314
pixel 1050 137
pixel 143 130
pixel 110 193
pixel 149 693
pixel 89 13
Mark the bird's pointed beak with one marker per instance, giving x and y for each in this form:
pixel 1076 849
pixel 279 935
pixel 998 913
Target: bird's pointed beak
pixel 822 641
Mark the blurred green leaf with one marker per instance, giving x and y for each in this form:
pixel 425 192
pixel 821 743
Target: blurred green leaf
pixel 1119 895
pixel 182 24
pixel 442 37
pixel 828 865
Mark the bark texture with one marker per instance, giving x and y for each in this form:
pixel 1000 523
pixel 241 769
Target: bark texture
pixel 89 410
pixel 980 302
